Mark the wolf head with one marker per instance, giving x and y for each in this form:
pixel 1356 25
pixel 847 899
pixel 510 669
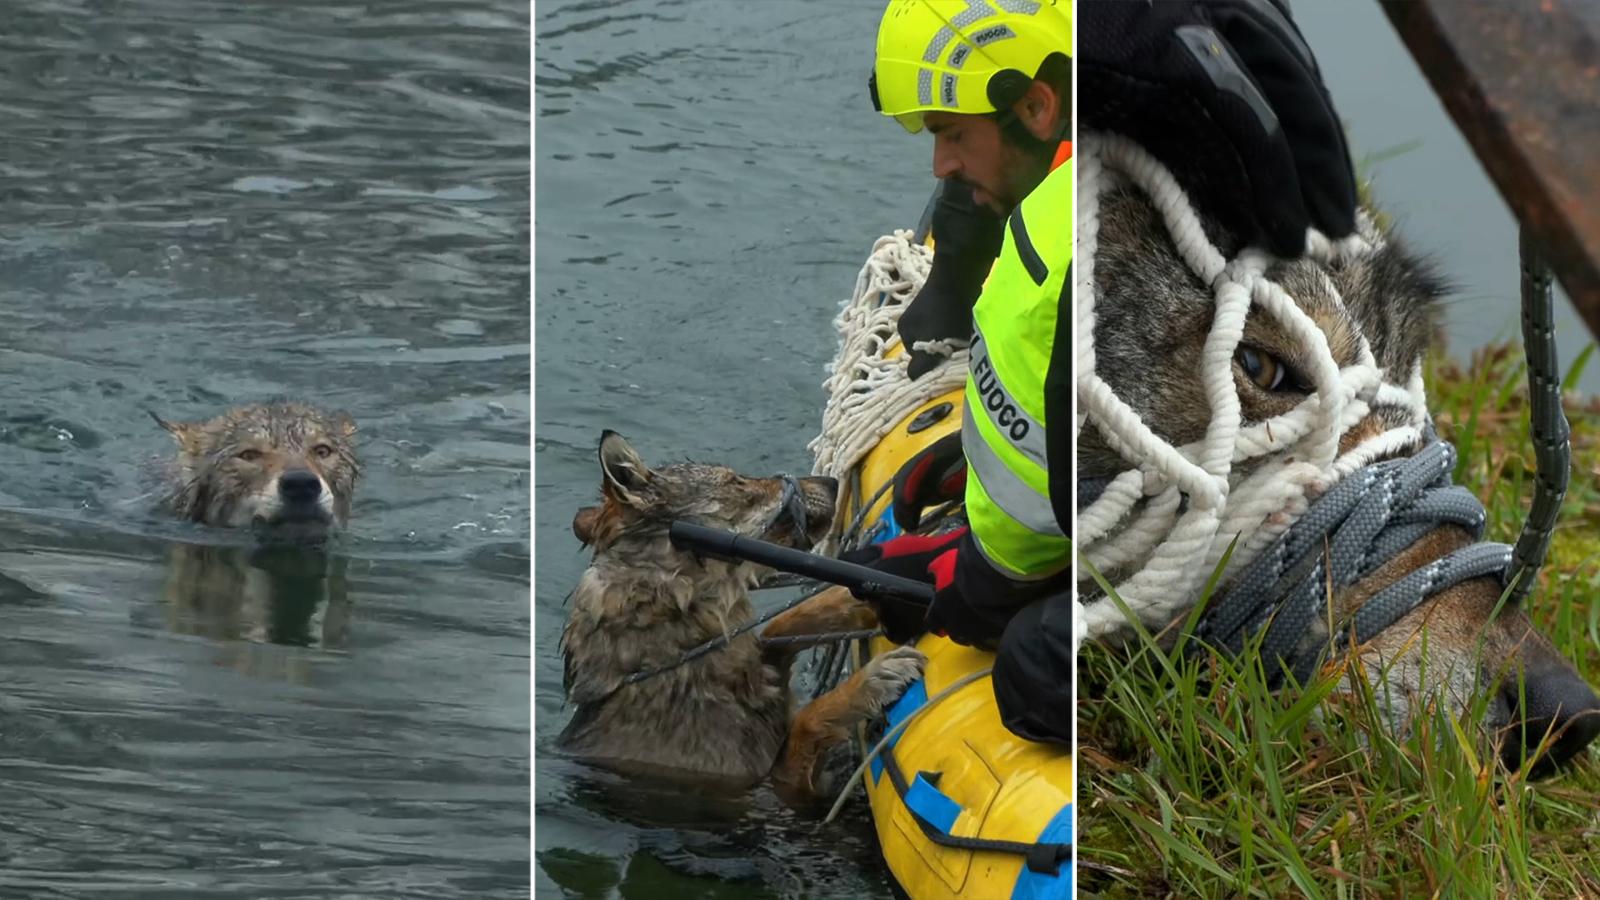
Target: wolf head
pixel 286 469
pixel 642 600
pixel 1154 315
pixel 640 502
pixel 1152 319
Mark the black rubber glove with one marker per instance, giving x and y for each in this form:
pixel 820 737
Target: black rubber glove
pixel 975 601
pixel 966 240
pixel 972 602
pixel 915 556
pixel 1228 96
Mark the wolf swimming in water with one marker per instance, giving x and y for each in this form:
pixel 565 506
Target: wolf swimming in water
pixel 726 715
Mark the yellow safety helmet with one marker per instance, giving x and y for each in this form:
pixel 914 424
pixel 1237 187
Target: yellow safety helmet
pixel 963 56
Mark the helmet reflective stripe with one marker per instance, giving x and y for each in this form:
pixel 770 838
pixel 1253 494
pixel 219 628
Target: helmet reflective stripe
pixel 918 39
pixel 944 35
pixel 976 10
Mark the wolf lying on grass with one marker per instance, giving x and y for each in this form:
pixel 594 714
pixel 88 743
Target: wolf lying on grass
pixel 1153 316
pixel 642 602
pixel 285 469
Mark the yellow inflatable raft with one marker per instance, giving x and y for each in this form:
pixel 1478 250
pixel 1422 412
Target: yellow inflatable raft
pixel 963 808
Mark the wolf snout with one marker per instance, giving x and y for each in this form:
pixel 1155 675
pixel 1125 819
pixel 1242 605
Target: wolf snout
pixel 825 485
pixel 821 494
pixel 300 487
pixel 1550 701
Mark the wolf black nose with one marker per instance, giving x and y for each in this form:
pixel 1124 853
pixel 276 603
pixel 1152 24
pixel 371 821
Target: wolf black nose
pixel 1551 700
pixel 299 486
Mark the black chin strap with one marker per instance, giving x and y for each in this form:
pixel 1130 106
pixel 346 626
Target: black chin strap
pixel 793 505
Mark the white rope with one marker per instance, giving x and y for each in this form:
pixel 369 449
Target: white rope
pixel 1250 482
pixel 870 393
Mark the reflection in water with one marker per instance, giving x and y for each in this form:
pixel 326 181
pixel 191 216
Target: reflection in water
pixel 290 594
pixel 653 838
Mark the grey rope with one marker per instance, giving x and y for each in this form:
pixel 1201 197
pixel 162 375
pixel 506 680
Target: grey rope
pixel 792 504
pixel 1547 423
pixel 821 637
pixel 1365 520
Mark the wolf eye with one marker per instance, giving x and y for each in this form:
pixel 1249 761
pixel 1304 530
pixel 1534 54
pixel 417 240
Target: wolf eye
pixel 323 451
pixel 1268 372
pixel 249 454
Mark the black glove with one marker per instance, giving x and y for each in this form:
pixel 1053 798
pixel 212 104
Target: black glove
pixel 915 556
pixel 1227 95
pixel 972 601
pixel 975 600
pixel 966 240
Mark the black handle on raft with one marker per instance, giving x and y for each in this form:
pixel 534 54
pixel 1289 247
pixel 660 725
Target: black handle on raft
pixel 863 581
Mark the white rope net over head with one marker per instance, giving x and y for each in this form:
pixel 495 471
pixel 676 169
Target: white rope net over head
pixel 1139 524
pixel 869 393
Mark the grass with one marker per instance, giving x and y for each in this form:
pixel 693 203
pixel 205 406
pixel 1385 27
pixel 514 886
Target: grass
pixel 1196 780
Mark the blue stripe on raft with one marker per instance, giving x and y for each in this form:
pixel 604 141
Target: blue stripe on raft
pixel 909 702
pixel 1033 885
pixel 929 803
pixel 889 527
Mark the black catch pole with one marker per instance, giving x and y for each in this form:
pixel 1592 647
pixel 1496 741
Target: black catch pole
pixel 863 581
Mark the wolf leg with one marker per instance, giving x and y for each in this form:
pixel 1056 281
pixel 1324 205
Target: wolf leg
pixel 827 720
pixel 831 610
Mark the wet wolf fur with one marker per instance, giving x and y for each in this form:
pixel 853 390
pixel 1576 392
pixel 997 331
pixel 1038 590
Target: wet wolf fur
pixel 727 715
pixel 281 466
pixel 1153 315
pixel 255 466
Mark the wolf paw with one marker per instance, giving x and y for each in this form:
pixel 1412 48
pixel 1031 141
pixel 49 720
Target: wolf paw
pixel 887 676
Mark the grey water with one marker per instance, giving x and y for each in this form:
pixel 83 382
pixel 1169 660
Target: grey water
pixel 214 202
pixel 709 178
pixel 1426 178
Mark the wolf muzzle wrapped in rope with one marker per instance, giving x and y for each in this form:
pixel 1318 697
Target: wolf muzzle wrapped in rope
pixel 1281 486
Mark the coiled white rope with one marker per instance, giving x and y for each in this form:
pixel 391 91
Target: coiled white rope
pixel 869 392
pixel 1135 526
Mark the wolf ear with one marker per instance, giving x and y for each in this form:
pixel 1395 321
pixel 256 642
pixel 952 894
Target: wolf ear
pixel 344 426
pixel 622 472
pixel 187 434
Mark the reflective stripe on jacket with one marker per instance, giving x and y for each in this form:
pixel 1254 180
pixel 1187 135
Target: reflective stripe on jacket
pixel 1004 432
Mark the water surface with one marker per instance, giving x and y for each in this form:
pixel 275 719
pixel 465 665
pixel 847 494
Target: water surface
pixel 211 203
pixel 1425 176
pixel 709 178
